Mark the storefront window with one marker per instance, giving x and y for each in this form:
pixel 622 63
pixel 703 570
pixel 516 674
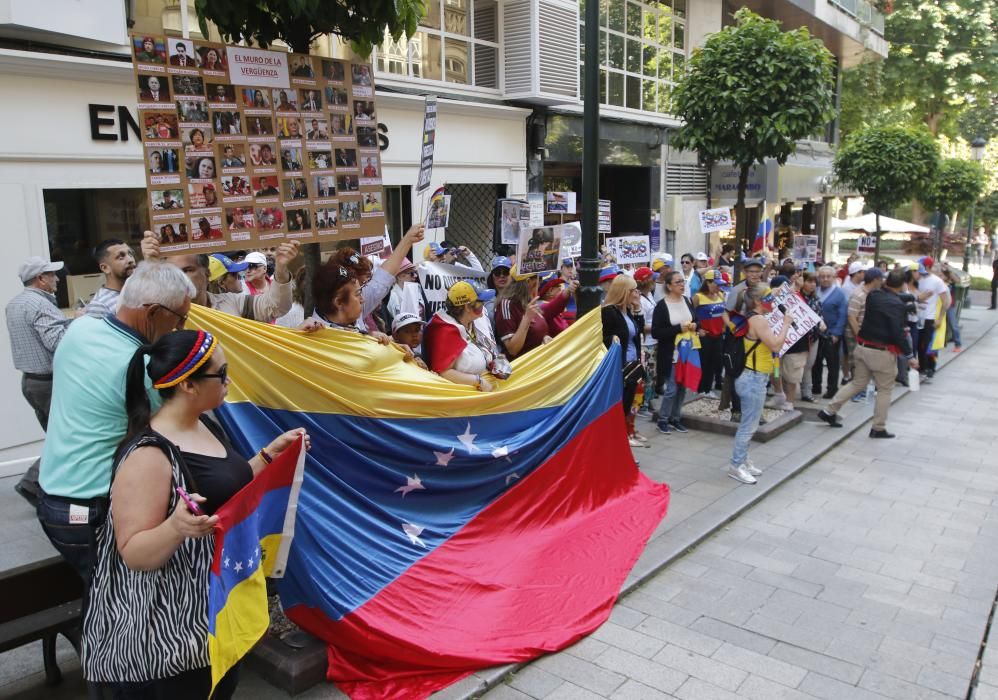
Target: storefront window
pixel 642 46
pixel 457 42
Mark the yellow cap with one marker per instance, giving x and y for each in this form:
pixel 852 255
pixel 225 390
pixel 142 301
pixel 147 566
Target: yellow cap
pixel 461 293
pixel 657 264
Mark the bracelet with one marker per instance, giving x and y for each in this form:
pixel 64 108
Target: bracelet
pixel 265 456
pixel 478 382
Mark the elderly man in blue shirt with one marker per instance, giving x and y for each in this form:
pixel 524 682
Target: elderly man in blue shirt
pixel 833 312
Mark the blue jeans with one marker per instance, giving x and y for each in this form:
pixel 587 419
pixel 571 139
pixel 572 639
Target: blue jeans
pixel 953 328
pixel 751 387
pixel 77 543
pixel 672 401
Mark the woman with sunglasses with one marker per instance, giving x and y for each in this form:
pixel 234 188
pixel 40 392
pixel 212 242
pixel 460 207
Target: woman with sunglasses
pixel 458 341
pixel 673 315
pixel 153 553
pixel 760 344
pixel 497 279
pixel 407 273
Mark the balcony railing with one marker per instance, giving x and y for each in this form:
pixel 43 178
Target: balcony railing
pixel 864 13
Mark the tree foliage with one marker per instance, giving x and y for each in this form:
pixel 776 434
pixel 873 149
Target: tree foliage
pixel 887 165
pixel 987 211
pixel 957 184
pixel 298 22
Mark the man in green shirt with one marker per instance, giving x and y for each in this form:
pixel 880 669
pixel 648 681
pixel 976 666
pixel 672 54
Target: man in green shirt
pixel 87 419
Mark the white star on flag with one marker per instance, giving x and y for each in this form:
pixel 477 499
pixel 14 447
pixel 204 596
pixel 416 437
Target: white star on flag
pixel 467 439
pixel 226 563
pixel 512 476
pixel 444 457
pixel 238 567
pixel 249 564
pixel 413 532
pixel 412 484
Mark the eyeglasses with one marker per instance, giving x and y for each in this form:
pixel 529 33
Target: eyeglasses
pixel 687 262
pixel 407 273
pixel 500 272
pixel 255 266
pixel 222 374
pixel 182 317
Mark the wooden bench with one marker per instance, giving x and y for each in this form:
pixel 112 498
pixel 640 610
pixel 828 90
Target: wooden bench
pixel 40 601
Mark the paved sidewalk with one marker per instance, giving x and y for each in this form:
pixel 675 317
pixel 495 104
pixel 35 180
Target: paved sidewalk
pixel 703 500
pixel 871 574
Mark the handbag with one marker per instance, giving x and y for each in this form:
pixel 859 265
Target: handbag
pixel 634 371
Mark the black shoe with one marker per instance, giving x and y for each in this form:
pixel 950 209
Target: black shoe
pixel 27 495
pixel 807 399
pixel 828 394
pixel 678 427
pixel 881 434
pixel 831 418
pixel 736 417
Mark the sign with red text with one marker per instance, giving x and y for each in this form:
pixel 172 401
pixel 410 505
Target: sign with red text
pixel 804 318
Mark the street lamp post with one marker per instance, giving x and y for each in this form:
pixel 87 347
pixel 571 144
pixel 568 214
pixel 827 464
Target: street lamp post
pixel 588 294
pixel 976 154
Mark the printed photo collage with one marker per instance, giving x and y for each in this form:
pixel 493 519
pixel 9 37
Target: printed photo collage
pixel 234 165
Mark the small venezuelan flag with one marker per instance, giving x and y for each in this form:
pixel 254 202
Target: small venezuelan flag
pixel 252 540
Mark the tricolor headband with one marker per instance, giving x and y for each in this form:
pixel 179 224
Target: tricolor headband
pixel 198 355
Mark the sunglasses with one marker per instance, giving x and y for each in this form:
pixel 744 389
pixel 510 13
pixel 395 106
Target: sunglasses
pixel 687 262
pixel 255 266
pixel 222 374
pixel 500 272
pixel 407 273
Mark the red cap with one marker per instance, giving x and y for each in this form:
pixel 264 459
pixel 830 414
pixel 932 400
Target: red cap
pixel 642 274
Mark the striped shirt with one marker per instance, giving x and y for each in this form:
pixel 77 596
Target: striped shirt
pixel 104 303
pixel 36 326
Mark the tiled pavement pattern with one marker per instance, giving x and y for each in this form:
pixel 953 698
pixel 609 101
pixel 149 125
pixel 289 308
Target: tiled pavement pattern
pixel 871 574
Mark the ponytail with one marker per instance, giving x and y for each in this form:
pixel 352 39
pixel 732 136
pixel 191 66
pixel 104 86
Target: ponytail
pixel 137 405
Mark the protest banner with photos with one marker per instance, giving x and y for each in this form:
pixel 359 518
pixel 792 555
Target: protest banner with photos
pixel 427 145
pixel 436 278
pixel 630 249
pixel 539 248
pixel 560 202
pixel 439 212
pixel 804 317
pixel 805 249
pixel 712 220
pixel 246 147
pixel 513 213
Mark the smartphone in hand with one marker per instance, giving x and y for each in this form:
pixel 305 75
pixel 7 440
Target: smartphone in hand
pixel 191 505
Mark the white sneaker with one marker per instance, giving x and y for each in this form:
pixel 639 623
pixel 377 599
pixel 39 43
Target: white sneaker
pixel 740 473
pixel 778 401
pixel 634 442
pixel 751 468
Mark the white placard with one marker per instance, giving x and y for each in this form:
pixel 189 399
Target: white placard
pixel 804 317
pixel 561 202
pixel 535 200
pixel 571 241
pixel 258 67
pixel 712 220
pixel 629 249
pixel 866 244
pixel 437 278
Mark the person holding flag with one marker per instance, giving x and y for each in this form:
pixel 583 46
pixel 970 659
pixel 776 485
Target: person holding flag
pixel 712 319
pixel 155 549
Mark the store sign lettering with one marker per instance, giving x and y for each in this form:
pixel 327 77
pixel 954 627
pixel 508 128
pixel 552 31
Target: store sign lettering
pixel 102 123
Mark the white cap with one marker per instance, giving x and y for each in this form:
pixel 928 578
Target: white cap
pixel 856 266
pixel 404 319
pixel 702 256
pixel 255 258
pixel 34 266
pixel 664 257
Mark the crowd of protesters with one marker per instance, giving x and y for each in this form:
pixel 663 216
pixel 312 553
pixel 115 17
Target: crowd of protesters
pixel 104 491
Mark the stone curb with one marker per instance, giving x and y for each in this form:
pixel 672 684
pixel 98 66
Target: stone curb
pixel 690 533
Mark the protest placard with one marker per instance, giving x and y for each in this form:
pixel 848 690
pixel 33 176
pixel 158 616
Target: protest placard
pixel 246 147
pixel 804 317
pixel 561 202
pixel 571 241
pixel 712 220
pixel 437 278
pixel 629 249
pixel 535 200
pixel 603 218
pixel 866 244
pixel 805 249
pixel 439 212
pixel 510 216
pixel 427 144
pixel 538 249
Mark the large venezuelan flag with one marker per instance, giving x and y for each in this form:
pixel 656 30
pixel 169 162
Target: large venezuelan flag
pixel 442 530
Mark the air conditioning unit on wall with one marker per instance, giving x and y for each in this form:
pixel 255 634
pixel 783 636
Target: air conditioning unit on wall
pixel 672 213
pixel 541 51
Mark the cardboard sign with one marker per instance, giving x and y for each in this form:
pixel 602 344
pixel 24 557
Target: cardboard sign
pixel 427 144
pixel 539 249
pixel 571 241
pixel 866 244
pixel 372 245
pixel 247 147
pixel 712 220
pixel 439 212
pixel 804 317
pixel 560 202
pixel 511 217
pixel 603 217
pixel 630 249
pixel 805 249
pixel 437 278
pixel 535 200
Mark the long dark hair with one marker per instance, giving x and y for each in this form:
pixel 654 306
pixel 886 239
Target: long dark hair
pixel 165 355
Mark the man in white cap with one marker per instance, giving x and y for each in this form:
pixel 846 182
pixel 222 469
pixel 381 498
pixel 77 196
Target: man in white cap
pixel 36 325
pixel 661 264
pixel 855 279
pixel 257 281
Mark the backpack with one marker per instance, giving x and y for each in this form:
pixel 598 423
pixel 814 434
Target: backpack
pixel 733 354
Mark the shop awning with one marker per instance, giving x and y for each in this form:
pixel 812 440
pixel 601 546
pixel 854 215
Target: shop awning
pixel 868 223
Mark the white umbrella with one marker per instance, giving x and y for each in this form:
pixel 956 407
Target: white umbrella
pixel 868 223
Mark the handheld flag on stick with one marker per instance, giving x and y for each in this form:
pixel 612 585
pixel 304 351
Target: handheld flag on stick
pixel 252 542
pixel 762 236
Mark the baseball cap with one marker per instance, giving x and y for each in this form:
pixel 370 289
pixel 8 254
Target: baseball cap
pixel 502 261
pixel 712 275
pixel 461 293
pixel 778 281
pixel 568 262
pixel 643 273
pixel 664 257
pixel 34 266
pixel 702 256
pixel 219 265
pixel 749 262
pixel 255 258
pixel 874 273
pixel 437 248
pixel 404 319
pixel 856 266
pixel 925 265
pixel 608 273
pixel 658 263
pixel 405 266
pixel 549 280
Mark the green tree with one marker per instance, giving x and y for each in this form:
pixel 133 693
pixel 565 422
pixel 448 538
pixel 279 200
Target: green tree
pixel 957 184
pixel 298 22
pixel 942 55
pixel 888 166
pixel 987 209
pixel 750 93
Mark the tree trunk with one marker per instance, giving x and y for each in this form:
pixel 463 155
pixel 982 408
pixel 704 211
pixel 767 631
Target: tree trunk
pixel 876 250
pixel 741 224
